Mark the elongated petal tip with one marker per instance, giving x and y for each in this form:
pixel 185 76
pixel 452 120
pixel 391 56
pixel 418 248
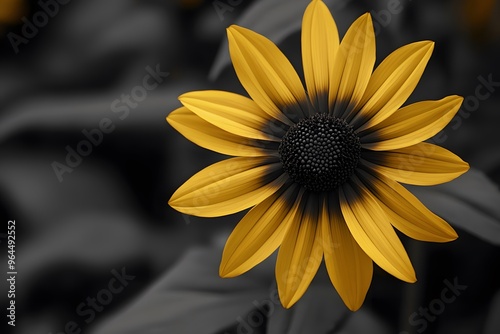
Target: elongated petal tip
pixel 188 97
pixel 452 234
pixel 455 99
pixel 313 5
pixel 287 301
pixel 224 275
pixel 230 33
pixel 237 34
pixel 428 46
pixel 175 203
pixel 170 121
pixel 364 22
pixel 287 304
pixel 355 304
pixel 464 167
pixel 172 204
pixel 224 272
pixel 169 117
pixel 233 28
pixel 446 235
pixel 408 276
pixel 183 96
pixel 353 307
pixel 366 18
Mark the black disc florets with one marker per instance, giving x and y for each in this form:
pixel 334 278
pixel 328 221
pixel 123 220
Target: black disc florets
pixel 320 152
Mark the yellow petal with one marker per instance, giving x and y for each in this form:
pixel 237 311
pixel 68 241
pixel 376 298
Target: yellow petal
pixel 229 186
pixel 405 211
pixel 260 232
pixel 353 66
pixel 411 125
pixel 320 42
pixel 392 83
pixel 349 268
pixel 372 231
pixel 267 75
pixel 422 164
pixel 213 138
pixel 231 112
pixel 301 252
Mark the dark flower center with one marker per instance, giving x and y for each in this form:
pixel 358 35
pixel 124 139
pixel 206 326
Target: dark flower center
pixel 320 152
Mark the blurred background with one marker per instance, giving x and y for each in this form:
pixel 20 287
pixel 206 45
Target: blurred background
pixel 88 163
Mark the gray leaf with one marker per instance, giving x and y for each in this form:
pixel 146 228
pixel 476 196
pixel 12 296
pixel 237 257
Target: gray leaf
pixel 470 202
pixel 191 298
pixel 318 311
pixel 321 311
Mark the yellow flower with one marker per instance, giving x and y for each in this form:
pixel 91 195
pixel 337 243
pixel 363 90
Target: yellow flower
pixel 320 168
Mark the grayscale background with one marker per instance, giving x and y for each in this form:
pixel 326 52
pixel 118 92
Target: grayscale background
pixel 107 216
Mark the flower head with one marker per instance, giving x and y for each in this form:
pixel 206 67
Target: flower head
pixel 320 167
